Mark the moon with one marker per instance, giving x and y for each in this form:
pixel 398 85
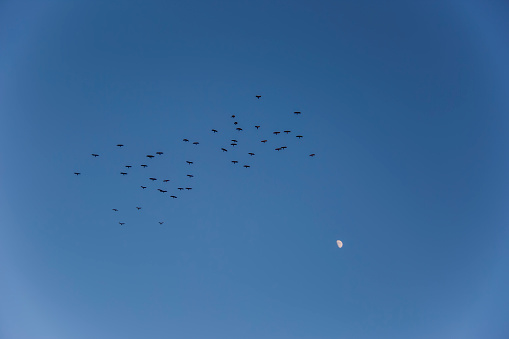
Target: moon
pixel 340 244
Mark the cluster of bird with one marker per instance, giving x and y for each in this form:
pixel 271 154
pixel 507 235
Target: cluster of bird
pixel 233 143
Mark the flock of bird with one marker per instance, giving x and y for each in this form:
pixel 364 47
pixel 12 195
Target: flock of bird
pixel 233 143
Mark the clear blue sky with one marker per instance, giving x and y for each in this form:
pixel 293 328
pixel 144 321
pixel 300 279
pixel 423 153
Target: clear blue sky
pixel 404 103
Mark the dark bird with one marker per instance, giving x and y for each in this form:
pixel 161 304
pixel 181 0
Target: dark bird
pixel 138 208
pixel 122 223
pixel 166 180
pixel 257 127
pixel 223 149
pixel 264 141
pixel 95 155
pixel 278 149
pixel 233 116
pixel 195 143
pixel 276 133
pixel 251 154
pixel 214 130
pixel 128 166
pixel 120 145
pixel 77 173
pixel 150 156
pixel 180 188
pixel 233 140
pixel 235 161
pixel 235 123
pixel 159 153
pixel 189 188
pixel 153 179
pixel 144 166
pixel 123 173
pixel 247 166
pixel 174 197
pixel 143 187
pixel 299 136
pixel 162 191
pixel 189 162
pixel 185 140
pixel 161 222
pixel 115 209
pixel 296 113
pixel 287 132
pixel 312 155
pixel 239 129
pixel 233 144
pixel 283 147
pixel 258 96
pixel 190 175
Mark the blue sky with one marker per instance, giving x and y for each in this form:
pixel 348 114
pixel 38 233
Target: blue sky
pixel 404 104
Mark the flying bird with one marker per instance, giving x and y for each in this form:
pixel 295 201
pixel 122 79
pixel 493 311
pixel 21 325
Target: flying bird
pixel 247 166
pixel 144 166
pixel 224 150
pixel 174 197
pixel 235 123
pixel 297 113
pixel 283 147
pixel 138 208
pixel 166 180
pixel 195 143
pixel 258 96
pixel 95 155
pixel 153 179
pixel 159 153
pixel 239 129
pixel 190 175
pixel 278 149
pixel 77 173
pixel 251 154
pixel 299 136
pixel 143 187
pixel 235 161
pixel 114 209
pixel 257 127
pixel 180 188
pixel 185 140
pixel 123 173
pixel 150 156
pixel 189 188
pixel 264 141
pixel 312 155
pixel 233 116
pixel 287 132
pixel 214 130
pixel 128 166
pixel 161 222
pixel 233 140
pixel 120 145
pixel 189 162
pixel 276 133
pixel 122 223
pixel 162 191
pixel 233 144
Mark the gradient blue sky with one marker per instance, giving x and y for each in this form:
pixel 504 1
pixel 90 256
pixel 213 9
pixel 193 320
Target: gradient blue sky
pixel 405 104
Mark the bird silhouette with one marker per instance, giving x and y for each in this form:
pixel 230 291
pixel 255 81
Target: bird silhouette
pixel 276 133
pixel 122 223
pixel 185 140
pixel 161 222
pixel 251 154
pixel 235 161
pixel 284 147
pixel 114 209
pixel 233 140
pixel 239 129
pixel 214 130
pixel 153 179
pixel 180 188
pixel 264 141
pixel 95 155
pixel 224 150
pixel 195 143
pixel 233 144
pixel 174 197
pixel 189 188
pixel 143 187
pixel 120 145
pixel 162 191
pixel 247 166
pixel 128 166
pixel 298 136
pixel 278 149
pixel 159 153
pixel 144 166
pixel 235 123
pixel 123 173
pixel 257 127
pixel 297 113
pixel 150 156
pixel 233 116
pixel 287 132
pixel 312 154
pixel 189 162
pixel 138 208
pixel 190 175
pixel 258 96
pixel 166 180
pixel 77 173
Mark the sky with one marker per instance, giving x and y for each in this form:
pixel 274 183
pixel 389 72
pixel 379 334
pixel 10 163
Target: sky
pixel 404 104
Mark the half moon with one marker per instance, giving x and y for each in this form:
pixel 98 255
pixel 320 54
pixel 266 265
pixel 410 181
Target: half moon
pixel 340 244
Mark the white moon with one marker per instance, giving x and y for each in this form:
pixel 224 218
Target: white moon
pixel 340 244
